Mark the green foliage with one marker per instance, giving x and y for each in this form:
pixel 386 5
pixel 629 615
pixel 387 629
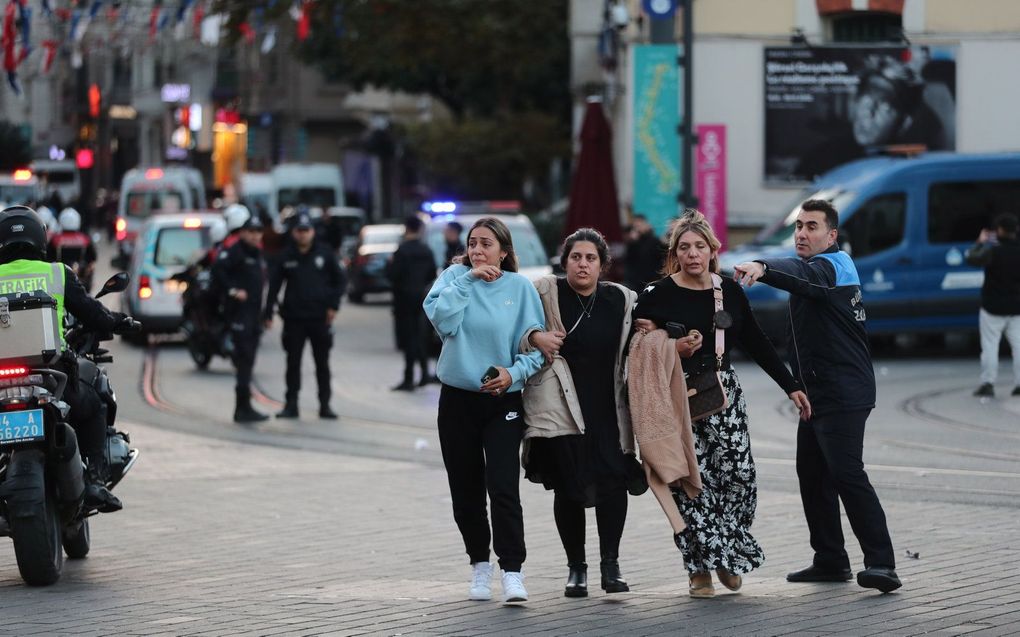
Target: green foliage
pixel 477 158
pixel 15 149
pixel 476 56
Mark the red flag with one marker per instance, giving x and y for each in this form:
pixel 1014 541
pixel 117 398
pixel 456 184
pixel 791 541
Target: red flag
pixel 304 25
pixel 154 21
pixel 51 47
pixel 247 32
pixel 197 18
pixel 8 38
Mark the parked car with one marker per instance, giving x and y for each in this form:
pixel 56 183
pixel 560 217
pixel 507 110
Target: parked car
pixel 907 222
pixel 532 259
pixel 369 257
pixel 165 245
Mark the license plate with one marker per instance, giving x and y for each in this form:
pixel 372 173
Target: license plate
pixel 21 426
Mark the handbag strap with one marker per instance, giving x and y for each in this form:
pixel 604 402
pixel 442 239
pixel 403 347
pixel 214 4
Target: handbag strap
pixel 720 337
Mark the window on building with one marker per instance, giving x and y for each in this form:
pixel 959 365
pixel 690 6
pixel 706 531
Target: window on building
pixel 877 225
pixel 958 211
pixel 867 26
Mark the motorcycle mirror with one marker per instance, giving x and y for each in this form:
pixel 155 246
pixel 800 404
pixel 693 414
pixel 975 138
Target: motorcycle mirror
pixel 116 283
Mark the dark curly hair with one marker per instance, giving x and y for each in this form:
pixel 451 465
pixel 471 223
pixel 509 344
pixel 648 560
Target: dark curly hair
pixel 591 235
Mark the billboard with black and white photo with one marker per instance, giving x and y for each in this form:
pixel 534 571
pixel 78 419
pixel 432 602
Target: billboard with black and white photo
pixel 825 106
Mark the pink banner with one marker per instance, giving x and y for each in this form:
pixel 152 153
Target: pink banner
pixel 710 170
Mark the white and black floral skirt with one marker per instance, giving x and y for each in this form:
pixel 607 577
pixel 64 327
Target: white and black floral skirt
pixel 718 533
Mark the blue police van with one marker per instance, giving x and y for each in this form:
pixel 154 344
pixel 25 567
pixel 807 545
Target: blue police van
pixel 907 222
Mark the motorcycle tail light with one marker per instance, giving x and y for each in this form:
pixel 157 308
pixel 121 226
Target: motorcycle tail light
pixel 10 372
pixel 121 228
pixel 144 286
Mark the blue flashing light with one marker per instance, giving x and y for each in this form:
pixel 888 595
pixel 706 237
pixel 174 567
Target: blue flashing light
pixel 434 207
pixel 446 217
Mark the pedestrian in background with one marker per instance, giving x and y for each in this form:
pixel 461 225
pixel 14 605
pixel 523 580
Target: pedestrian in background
pixel 482 311
pixel 644 255
pixel 411 271
pixel 829 354
pixel 314 285
pixel 240 273
pixel 998 252
pixel 579 441
pixel 718 532
pixel 454 246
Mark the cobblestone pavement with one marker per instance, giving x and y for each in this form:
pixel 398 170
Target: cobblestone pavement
pixel 226 538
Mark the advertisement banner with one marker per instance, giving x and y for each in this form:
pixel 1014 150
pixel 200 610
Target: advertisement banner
pixel 830 105
pixel 656 142
pixel 710 176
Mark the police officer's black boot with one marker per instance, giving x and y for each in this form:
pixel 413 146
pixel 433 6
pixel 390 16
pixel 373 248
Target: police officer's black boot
pixel 244 413
pixel 290 410
pixel 97 496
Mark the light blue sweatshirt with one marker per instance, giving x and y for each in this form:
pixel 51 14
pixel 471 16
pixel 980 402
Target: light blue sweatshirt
pixel 482 324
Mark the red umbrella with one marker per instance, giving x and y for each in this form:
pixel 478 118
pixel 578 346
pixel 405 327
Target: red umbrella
pixel 593 201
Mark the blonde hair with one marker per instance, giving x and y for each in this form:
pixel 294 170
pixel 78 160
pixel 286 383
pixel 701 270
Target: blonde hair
pixel 691 221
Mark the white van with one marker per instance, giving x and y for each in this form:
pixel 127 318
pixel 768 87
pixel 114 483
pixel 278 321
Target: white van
pixel 19 187
pixel 148 191
pixel 59 176
pixel 314 185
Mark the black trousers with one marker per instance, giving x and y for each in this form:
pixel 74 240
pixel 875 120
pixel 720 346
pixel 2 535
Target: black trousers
pixel 87 417
pixel 830 467
pixel 480 436
pixel 246 344
pixel 319 333
pixel 411 331
pixel 610 514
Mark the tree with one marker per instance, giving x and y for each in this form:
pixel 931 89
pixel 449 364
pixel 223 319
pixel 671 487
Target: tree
pixel 478 57
pixel 15 149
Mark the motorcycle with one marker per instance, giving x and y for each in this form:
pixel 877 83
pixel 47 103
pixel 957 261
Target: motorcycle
pixel 42 482
pixel 206 333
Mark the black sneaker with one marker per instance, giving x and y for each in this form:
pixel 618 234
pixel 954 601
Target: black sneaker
pixel 327 414
pixel 986 390
pixel 248 415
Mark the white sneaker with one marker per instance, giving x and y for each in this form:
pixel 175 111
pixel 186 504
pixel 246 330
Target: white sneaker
pixel 481 578
pixel 513 587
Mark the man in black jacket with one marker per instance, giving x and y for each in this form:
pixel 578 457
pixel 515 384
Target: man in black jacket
pixel 240 272
pixel 315 283
pixel 645 255
pixel 998 253
pixel 830 355
pixel 412 270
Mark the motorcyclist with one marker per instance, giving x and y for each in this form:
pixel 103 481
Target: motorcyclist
pixel 24 268
pixel 73 248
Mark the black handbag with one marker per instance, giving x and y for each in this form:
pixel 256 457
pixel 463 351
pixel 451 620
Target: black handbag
pixel 705 393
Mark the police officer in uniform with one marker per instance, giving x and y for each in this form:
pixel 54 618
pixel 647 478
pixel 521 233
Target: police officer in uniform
pixel 240 272
pixel 24 268
pixel 315 284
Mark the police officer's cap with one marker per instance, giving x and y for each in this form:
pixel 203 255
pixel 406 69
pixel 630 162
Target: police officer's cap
pixel 302 221
pixel 253 223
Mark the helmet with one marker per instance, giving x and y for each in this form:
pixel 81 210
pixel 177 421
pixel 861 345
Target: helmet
pixel 46 216
pixel 217 232
pixel 235 215
pixel 20 225
pixel 69 220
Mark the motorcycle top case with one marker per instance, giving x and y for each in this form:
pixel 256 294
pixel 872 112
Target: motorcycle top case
pixel 29 329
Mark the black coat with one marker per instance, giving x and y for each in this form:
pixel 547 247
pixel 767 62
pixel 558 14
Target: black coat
pixel 315 283
pixel 828 349
pixel 1000 293
pixel 411 272
pixel 241 267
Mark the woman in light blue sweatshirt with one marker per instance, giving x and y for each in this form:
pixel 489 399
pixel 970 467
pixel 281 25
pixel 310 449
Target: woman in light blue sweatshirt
pixel 482 311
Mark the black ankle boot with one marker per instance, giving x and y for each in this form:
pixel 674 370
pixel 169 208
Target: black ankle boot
pixel 577 581
pixel 290 410
pixel 612 580
pixel 97 496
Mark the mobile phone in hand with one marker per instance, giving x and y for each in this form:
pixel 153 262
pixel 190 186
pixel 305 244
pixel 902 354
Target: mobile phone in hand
pixel 489 374
pixel 676 330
